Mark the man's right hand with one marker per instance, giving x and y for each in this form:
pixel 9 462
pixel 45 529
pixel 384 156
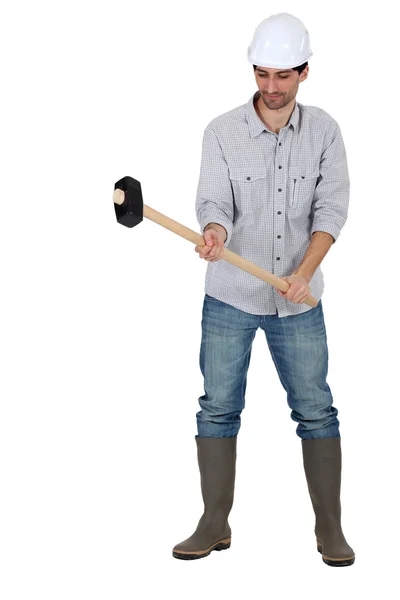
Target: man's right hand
pixel 214 237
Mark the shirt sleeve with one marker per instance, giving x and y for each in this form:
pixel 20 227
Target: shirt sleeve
pixel 214 200
pixel 331 196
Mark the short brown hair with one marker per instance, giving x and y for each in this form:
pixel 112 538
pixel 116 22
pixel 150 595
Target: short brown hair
pixel 298 69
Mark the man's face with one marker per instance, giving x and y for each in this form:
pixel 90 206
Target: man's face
pixel 281 84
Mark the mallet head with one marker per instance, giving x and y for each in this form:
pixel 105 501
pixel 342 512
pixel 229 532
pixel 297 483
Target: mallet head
pixel 128 202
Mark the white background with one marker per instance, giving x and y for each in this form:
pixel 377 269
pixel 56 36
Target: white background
pixel 100 324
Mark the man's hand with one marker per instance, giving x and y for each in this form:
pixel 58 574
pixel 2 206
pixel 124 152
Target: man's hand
pixel 298 290
pixel 214 239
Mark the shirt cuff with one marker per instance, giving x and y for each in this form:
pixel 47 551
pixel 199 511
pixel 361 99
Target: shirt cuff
pixel 327 228
pixel 215 217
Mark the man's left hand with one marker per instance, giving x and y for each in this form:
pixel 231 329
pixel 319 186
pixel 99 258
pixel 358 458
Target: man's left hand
pixel 298 291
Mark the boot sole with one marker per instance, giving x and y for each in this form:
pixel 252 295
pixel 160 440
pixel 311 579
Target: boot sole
pixel 221 545
pixel 335 562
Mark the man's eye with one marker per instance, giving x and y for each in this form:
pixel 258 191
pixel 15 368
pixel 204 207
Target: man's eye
pixel 280 76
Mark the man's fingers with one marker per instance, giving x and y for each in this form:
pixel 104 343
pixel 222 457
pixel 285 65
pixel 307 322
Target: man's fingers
pixel 213 257
pixel 203 250
pixel 210 253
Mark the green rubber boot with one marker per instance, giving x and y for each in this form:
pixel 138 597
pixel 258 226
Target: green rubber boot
pixel 217 464
pixel 322 458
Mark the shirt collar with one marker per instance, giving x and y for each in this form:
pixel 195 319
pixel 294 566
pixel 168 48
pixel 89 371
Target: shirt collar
pixel 256 126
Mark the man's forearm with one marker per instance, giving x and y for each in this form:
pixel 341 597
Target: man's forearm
pixel 316 252
pixel 217 227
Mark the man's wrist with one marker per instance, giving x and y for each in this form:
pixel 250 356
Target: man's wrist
pixel 304 274
pixel 217 227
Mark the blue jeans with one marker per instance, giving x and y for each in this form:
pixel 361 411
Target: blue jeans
pixel 298 347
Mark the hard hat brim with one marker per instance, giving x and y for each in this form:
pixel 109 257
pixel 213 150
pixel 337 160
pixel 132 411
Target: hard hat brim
pixel 279 66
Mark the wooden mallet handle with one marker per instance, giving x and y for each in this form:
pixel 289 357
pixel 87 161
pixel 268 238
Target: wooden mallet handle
pixel 228 255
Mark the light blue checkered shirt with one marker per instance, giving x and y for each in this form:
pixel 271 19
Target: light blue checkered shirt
pixel 270 191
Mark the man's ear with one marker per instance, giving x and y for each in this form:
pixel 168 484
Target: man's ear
pixel 304 74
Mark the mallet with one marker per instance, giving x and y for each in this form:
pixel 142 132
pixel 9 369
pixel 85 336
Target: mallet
pixel 130 210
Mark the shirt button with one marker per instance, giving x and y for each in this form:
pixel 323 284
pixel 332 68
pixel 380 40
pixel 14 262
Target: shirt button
pixel 279 236
pixel 280 167
pixel 279 189
pixel 248 178
pixel 279 212
pixel 302 176
pixel 278 258
pixel 280 144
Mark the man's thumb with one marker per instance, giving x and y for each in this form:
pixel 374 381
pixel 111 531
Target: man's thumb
pixel 209 239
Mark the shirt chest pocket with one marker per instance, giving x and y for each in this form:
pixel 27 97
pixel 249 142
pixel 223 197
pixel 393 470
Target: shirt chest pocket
pixel 249 187
pixel 302 184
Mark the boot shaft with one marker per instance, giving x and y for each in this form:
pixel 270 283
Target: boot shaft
pixel 217 465
pixel 322 459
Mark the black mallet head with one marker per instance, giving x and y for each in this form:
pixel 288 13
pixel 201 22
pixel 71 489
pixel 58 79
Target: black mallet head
pixel 128 204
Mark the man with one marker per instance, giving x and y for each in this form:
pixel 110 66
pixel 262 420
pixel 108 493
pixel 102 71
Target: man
pixel 274 187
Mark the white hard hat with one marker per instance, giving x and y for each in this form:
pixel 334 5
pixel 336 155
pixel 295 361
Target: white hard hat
pixel 280 42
